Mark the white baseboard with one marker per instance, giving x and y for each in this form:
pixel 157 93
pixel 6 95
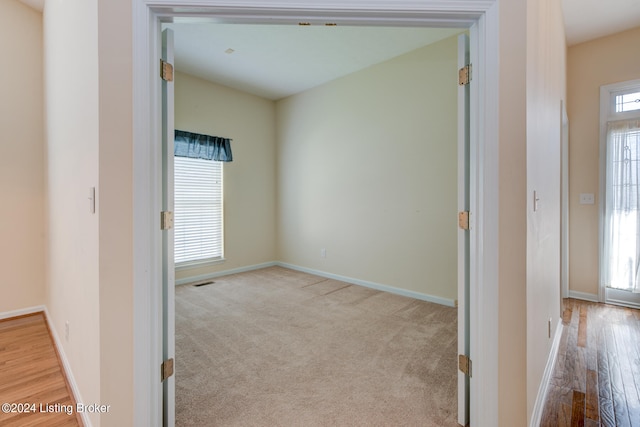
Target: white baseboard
pixel 584 296
pixel 365 283
pixel 622 298
pixel 404 292
pixel 22 312
pixel 372 285
pixel 67 367
pixel 209 276
pixel 538 408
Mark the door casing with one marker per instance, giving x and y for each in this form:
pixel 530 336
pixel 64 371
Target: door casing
pixel 147 18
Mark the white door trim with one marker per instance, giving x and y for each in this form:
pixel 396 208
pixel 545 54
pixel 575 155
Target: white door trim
pixel 464 236
pixel 484 166
pixel 564 202
pixel 168 266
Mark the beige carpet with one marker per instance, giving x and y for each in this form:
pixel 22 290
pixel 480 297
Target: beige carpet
pixel 276 347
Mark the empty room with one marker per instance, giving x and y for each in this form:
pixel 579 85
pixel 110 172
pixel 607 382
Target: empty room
pixel 325 288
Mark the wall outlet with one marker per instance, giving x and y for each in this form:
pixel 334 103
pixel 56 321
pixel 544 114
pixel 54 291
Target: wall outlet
pixel 323 253
pixel 66 330
pixel 587 198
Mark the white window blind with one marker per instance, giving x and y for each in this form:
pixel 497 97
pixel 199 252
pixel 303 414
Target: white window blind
pixel 198 230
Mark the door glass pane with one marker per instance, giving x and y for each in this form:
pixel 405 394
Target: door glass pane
pixel 622 211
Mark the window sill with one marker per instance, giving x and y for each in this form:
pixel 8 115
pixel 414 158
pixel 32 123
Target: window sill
pixel 190 265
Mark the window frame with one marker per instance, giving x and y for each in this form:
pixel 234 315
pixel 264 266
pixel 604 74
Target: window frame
pixel 626 91
pixel 608 95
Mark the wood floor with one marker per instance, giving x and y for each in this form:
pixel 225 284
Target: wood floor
pixel 596 380
pixel 31 377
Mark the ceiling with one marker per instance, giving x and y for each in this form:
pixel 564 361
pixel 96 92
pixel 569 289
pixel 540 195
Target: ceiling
pixel 285 60
pixel 275 61
pixel 586 20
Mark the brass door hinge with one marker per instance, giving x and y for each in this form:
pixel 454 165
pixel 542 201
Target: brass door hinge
pixel 463 220
pixel 464 364
pixel 166 369
pixel 464 75
pixel 166 220
pixel 166 71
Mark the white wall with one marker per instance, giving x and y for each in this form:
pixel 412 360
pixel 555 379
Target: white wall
pixel 249 180
pixel 532 84
pixel 546 88
pixel 22 160
pixel 367 170
pixel 71 76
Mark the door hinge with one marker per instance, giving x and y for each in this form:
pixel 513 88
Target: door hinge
pixel 166 220
pixel 166 369
pixel 166 71
pixel 463 220
pixel 464 75
pixel 464 364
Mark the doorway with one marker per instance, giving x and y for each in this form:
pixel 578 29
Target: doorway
pixel 483 131
pixel 419 152
pixel 620 200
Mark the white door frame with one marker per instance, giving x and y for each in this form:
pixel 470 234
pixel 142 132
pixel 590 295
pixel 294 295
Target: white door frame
pixel 168 329
pixel 147 17
pixel 464 236
pixel 564 203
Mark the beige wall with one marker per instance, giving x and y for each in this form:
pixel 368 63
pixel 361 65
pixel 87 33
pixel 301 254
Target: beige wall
pixel 22 159
pixel 532 84
pixel 71 76
pixel 546 90
pixel 512 220
pixel 590 65
pixel 367 170
pixel 116 243
pixel 249 180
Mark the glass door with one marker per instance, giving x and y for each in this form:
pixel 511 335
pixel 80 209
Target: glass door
pixel 620 264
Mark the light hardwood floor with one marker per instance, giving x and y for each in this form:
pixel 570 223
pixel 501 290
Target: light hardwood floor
pixel 596 380
pixel 31 374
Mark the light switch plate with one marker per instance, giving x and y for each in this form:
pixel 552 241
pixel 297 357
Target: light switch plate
pixel 92 200
pixel 587 198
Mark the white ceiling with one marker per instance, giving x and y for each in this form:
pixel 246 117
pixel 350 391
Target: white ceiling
pixel 327 55
pixel 590 19
pixel 275 61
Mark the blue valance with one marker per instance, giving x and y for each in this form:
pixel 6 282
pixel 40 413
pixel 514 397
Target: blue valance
pixel 197 146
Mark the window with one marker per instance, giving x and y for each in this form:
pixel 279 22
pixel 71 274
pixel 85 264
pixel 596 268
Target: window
pixel 620 150
pixel 627 102
pixel 198 225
